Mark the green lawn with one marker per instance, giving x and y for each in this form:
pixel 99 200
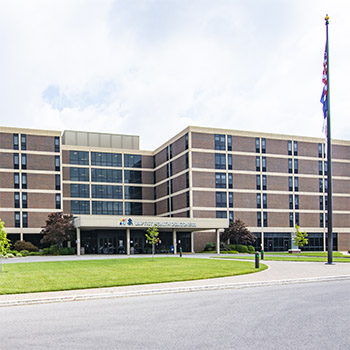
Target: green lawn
pixel 67 275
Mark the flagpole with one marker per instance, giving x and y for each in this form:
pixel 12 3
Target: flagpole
pixel 329 160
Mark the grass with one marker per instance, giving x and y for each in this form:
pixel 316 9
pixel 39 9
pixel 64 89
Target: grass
pixel 68 275
pixel 335 254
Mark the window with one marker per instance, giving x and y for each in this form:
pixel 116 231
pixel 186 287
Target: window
pixel 171 186
pixel 132 161
pixel 24 181
pixel 79 157
pixel 17 202
pixel 295 144
pixel 16 161
pixel 265 200
pixel 168 188
pixel 230 181
pixel 58 201
pixel 220 180
pixel 291 220
pixel 187 180
pixel 106 175
pixel 258 185
pixel 79 190
pixel 186 161
pixel 320 153
pixel 296 169
pixel 132 208
pixel 258 163
pixel 57 163
pixel 16 180
pixel 58 182
pixel 289 148
pixel 132 192
pixel 290 201
pixel 230 217
pixel 24 161
pixel 297 219
pixel 17 219
pixel 320 185
pixel 229 161
pixel 170 151
pixel 258 200
pixel 257 145
pixel 187 199
pixel 296 184
pixel 106 159
pixel 320 167
pixel 321 220
pixel 326 202
pixel 326 185
pixel 107 208
pixel 229 142
pixel 57 144
pixel 221 200
pixel 264 182
pixel 171 168
pixel 230 199
pixel 133 176
pixel 167 152
pixel 263 163
pixel 326 219
pixel 25 219
pixel 265 219
pixel 79 174
pixel 23 142
pixel 24 200
pixel 321 202
pixel 290 166
pixel 220 161
pixel 326 168
pixel 290 183
pixel 80 207
pixel 15 141
pixel 220 214
pixel 220 142
pixel 296 201
pixel 263 145
pixel 258 219
pixel 186 141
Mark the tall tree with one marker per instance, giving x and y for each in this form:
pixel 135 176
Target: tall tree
pixel 59 228
pixel 238 233
pixel 152 237
pixel 300 239
pixel 4 242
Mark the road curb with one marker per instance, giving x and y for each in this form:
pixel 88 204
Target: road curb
pixel 110 295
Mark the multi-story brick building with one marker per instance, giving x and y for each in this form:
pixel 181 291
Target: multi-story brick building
pixel 198 180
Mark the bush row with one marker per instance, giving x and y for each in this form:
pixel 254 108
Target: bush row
pixel 53 250
pixel 240 248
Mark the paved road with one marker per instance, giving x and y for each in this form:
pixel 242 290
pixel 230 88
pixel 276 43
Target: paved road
pixel 297 316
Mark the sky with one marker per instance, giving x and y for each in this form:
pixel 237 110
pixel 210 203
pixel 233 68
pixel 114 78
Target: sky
pixel 153 67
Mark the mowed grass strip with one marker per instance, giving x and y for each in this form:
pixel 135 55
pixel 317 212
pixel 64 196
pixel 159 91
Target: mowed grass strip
pixel 286 258
pixel 68 275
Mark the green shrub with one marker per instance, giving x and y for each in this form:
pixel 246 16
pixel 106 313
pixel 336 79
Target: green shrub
pixel 23 245
pixel 45 251
pixel 33 253
pixel 10 255
pixel 230 252
pixel 233 246
pixel 14 252
pixel 24 252
pixel 209 247
pixel 67 251
pixel 224 246
pixel 251 249
pixel 19 255
pixel 53 250
pixel 242 248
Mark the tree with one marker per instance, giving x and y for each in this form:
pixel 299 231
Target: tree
pixel 300 239
pixel 152 237
pixel 238 233
pixel 59 228
pixel 4 242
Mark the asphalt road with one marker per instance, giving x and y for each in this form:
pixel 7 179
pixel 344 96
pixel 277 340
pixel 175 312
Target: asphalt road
pixel 296 316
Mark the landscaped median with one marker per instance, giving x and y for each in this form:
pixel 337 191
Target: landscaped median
pixel 69 275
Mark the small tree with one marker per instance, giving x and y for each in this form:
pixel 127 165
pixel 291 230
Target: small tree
pixel 238 233
pixel 59 228
pixel 152 237
pixel 300 239
pixel 4 242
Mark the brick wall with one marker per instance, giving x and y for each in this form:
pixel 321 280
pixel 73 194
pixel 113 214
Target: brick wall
pixel 203 179
pixel 243 144
pixel 204 199
pixel 6 141
pixel 40 143
pixel 204 141
pixel 244 162
pixel 276 146
pixel 203 160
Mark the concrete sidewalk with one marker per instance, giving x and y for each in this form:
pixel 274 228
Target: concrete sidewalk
pixel 279 272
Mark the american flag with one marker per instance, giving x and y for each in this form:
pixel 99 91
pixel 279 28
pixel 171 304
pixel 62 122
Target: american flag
pixel 325 88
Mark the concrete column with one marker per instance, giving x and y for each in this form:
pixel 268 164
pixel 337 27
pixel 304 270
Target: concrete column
pixel 262 241
pixel 324 241
pixel 192 242
pixel 174 241
pixel 78 241
pixel 217 241
pixel 21 236
pixel 128 241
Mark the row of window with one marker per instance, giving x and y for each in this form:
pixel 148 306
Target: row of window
pixel 105 208
pixel 24 162
pixel 105 175
pixel 17 201
pixel 105 191
pixel 18 219
pixel 105 159
pixel 221 200
pixel 23 138
pixel 24 183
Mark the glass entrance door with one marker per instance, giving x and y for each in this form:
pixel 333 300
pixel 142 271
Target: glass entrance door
pixel 107 245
